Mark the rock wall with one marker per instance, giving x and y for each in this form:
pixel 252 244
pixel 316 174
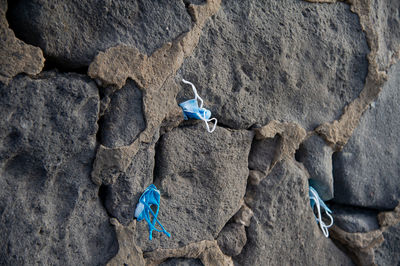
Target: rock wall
pixel 305 92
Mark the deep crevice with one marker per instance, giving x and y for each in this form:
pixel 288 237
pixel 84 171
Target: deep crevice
pixel 99 133
pixel 156 170
pixel 53 64
pixel 103 193
pixel 354 207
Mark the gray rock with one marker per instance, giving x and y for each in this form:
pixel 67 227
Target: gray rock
pixel 182 262
pixel 355 220
pixel 123 120
pixel 366 172
pixel 386 20
pixel 316 156
pixel 283 229
pixel 15 55
pixel 262 153
pixel 121 197
pixel 71 33
pixel 50 210
pixel 285 60
pixel 232 239
pixel 388 253
pixel 202 178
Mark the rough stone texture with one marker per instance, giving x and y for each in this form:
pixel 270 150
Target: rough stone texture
pixel 288 73
pixel 155 76
pixel 355 220
pixel 121 197
pixel 182 262
pixel 263 153
pixel 15 55
pixel 128 253
pixel 385 16
pixel 207 251
pixel 73 32
pixel 290 137
pixel 203 252
pixel 283 220
pixel 232 239
pixel 49 209
pixel 366 172
pixel 359 246
pixel 316 156
pixel 339 131
pixel 202 178
pixel 123 120
pixel 260 61
pixel 389 252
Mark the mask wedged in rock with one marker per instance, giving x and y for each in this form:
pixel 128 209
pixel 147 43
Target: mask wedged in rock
pixel 202 178
pixel 316 156
pixel 73 32
pixel 366 171
pixel 123 195
pixel 155 76
pixel 283 229
pixel 50 210
pixel 15 55
pixel 284 60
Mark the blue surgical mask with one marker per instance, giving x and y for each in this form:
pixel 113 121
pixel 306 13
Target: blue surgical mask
pixel 316 201
pixel 151 196
pixel 191 109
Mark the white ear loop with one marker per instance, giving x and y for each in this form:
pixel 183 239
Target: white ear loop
pixel 322 225
pixel 196 96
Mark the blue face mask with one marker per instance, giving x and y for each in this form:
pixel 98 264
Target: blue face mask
pixel 316 201
pixel 151 196
pixel 191 109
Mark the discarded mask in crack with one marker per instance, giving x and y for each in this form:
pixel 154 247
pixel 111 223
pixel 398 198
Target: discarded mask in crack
pixel 151 196
pixel 191 109
pixel 315 200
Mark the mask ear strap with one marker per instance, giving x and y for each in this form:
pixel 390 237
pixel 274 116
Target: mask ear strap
pixel 152 224
pixel 208 127
pixel 322 225
pixel 196 95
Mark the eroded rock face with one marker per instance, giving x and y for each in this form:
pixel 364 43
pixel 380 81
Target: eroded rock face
pixel 283 220
pixel 366 172
pixel 182 262
pixel 123 120
pixel 259 61
pixel 386 18
pixel 202 178
pixel 15 55
pixel 50 210
pixel 73 32
pixel 355 220
pixel 389 252
pixel 122 196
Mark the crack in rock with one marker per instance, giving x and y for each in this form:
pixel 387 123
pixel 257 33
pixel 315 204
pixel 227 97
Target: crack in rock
pixel 292 135
pixel 362 246
pixel 154 75
pixel 15 55
pixel 339 131
pixel 207 251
